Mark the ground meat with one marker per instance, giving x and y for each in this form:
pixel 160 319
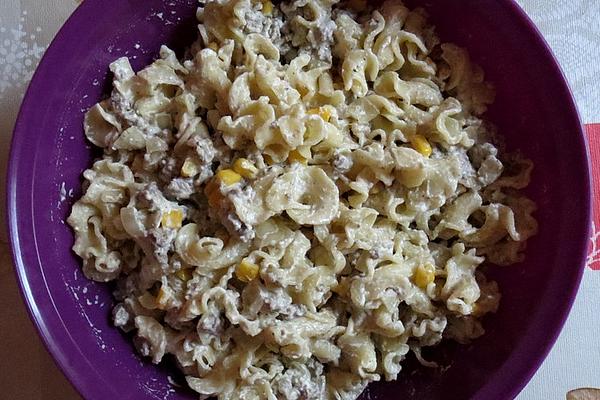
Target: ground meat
pixel 169 169
pixel 206 173
pixel 323 38
pixel 151 198
pixel 204 148
pixel 211 324
pixel 342 162
pixel 267 25
pixel 301 381
pixel 315 39
pixel 226 213
pixel 276 300
pixel 234 225
pixel 124 109
pixel 180 188
pixel 155 241
pixel 161 241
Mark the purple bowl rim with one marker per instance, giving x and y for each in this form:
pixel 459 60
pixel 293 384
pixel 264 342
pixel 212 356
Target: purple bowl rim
pixel 571 107
pixel 43 325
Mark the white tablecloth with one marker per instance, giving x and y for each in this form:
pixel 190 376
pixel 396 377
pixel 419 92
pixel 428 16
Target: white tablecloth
pixel 26 27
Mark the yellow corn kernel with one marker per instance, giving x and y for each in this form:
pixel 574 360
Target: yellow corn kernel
pixel 185 274
pixel 295 156
pixel 228 177
pixel 172 219
pixel 420 144
pixel 246 271
pixel 424 275
pixel 323 112
pixel 245 168
pixel 267 8
pixel 189 168
pixel 213 46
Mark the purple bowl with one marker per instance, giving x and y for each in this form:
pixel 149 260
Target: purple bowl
pixel 534 110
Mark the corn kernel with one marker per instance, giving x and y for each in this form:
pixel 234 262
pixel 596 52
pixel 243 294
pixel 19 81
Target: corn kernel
pixel 246 271
pixel 245 168
pixel 228 177
pixel 295 156
pixel 420 144
pixel 172 219
pixel 424 275
pixel 213 46
pixel 267 8
pixel 189 168
pixel 185 274
pixel 323 112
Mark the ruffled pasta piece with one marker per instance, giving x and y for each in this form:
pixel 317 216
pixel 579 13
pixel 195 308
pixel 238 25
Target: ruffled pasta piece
pixel 208 252
pixel 101 127
pixel 307 195
pixel 150 338
pixel 466 80
pixel 499 222
pixel 461 290
pixel 359 68
pixel 100 263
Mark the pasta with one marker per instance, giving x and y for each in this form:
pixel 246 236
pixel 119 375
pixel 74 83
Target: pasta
pixel 304 200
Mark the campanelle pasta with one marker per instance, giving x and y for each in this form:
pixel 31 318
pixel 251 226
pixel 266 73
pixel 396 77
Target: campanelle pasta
pixel 300 203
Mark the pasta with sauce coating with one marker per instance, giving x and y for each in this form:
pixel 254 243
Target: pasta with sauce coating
pixel 302 201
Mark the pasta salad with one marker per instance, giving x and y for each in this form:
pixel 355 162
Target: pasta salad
pixel 302 200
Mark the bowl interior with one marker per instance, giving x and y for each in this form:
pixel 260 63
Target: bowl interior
pixel 533 110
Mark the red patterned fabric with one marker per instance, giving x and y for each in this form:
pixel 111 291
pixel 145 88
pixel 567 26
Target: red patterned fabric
pixel 593 135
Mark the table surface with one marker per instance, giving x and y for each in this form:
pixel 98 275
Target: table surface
pixel 26 28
